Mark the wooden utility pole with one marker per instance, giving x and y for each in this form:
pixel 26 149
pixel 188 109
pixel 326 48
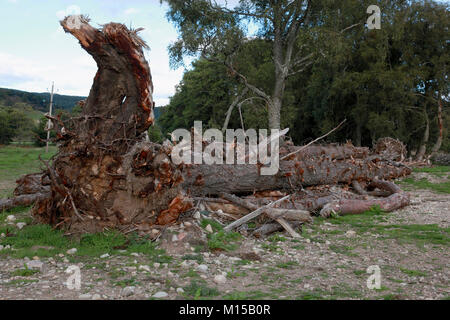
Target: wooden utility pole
pixel 49 123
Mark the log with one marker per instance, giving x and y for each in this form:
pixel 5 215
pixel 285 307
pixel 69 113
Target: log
pixel 22 200
pixel 269 228
pixel 398 199
pixel 250 216
pixel 293 175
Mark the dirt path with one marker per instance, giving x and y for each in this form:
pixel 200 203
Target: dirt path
pixel 410 248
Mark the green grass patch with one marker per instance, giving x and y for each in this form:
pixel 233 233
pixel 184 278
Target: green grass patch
pixel 413 273
pixel 198 289
pixel 196 257
pixel 16 161
pixel 435 170
pixel 214 224
pixel 443 187
pixel 276 238
pixel 25 272
pixel 346 250
pixel 420 234
pixel 43 241
pixel 223 240
pixel 287 264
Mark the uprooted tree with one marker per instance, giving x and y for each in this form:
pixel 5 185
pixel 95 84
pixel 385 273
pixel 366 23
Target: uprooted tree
pixel 106 175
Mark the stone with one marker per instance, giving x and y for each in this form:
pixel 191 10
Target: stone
pixel 1 247
pixel 35 265
pixel 197 215
pixel 96 297
pixel 10 218
pixel 160 294
pixel 145 268
pixel 2 235
pixel 85 296
pixel 72 251
pixel 20 225
pixel 185 264
pixel 350 233
pixel 156 264
pixel 209 228
pixel 187 224
pixel 202 268
pixel 103 256
pixel 220 279
pixel 174 238
pixel 128 291
pixel 180 290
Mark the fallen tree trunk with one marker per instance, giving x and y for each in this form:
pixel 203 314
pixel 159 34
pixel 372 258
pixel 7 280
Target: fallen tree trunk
pixel 292 175
pixel 106 175
pixel 398 199
pixel 23 200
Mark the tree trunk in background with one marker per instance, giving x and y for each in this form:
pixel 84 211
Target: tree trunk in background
pixel 426 136
pixel 438 143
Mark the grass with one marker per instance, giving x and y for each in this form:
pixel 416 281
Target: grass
pixel 287 265
pixel 223 240
pixel 368 222
pixel 198 289
pixel 43 241
pixel 16 161
pixel 25 272
pixel 413 273
pixel 437 170
pixel 443 187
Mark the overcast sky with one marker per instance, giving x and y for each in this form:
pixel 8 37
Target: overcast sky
pixel 34 50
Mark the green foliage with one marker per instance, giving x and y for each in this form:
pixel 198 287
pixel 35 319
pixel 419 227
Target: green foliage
pixel 155 134
pixel 14 123
pixel 377 79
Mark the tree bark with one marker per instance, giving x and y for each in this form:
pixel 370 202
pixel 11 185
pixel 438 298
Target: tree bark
pixel 438 143
pixel 426 136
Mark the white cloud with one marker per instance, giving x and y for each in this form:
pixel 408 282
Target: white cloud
pixel 130 11
pixel 72 9
pixel 72 78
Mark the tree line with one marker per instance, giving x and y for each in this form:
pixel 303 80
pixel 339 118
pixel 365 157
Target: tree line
pixel 311 64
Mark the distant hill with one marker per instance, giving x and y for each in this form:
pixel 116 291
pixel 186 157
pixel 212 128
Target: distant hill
pixel 39 101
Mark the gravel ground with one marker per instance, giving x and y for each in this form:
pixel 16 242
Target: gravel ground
pixel 409 246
